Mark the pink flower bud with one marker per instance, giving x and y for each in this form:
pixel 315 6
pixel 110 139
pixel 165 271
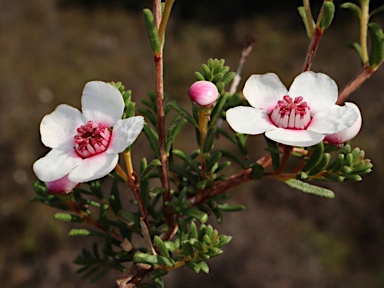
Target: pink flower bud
pixel 203 93
pixel 61 186
pixel 349 133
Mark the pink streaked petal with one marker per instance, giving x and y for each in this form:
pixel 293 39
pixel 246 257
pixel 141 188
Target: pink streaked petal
pixel 56 164
pixel 61 186
pixel 94 167
pixel 124 133
pixel 318 90
pixel 334 119
pixel 102 103
pixel 301 138
pixel 58 128
pixel 248 120
pixel 263 91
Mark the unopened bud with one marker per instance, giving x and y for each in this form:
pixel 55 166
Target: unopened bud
pixel 349 133
pixel 204 93
pixel 61 186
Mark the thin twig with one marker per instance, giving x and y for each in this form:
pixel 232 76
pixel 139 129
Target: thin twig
pixel 313 45
pixel 355 83
pixel 158 59
pixel 248 45
pixel 233 181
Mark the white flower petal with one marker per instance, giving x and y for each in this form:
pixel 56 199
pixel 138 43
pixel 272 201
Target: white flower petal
pixel 263 91
pixel 248 120
pixel 302 138
pixel 124 133
pixel 333 120
pixel 349 133
pixel 94 167
pixel 55 165
pixel 102 103
pixel 58 128
pixel 317 89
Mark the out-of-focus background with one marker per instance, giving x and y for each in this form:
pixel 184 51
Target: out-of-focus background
pixel 284 238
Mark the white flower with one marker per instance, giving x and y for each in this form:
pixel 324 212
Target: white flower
pixel 349 133
pixel 301 116
pixel 86 145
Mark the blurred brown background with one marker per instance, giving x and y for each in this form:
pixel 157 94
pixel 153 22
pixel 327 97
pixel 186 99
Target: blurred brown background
pixel 284 238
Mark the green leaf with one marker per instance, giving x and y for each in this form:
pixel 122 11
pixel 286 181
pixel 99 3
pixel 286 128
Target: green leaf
pixel 224 240
pixel 199 76
pixel 337 163
pixel 206 72
pixel 183 112
pixel 241 141
pixel 152 30
pixel 257 171
pixel 114 197
pixel 226 135
pixel 376 55
pixel 146 169
pixel 377 10
pixel 197 214
pixel 153 139
pixel 189 161
pixel 272 145
pixel 174 128
pixel 149 115
pixel 356 46
pixel 230 208
pixel 211 135
pixel 308 25
pixel 188 249
pixel 157 273
pixel 228 78
pixel 85 232
pixel 315 157
pixel 144 182
pixel 328 14
pixel 217 109
pixel 68 217
pixel 232 156
pixel 321 165
pixel 183 172
pixel 160 245
pixel 141 257
pixel 213 159
pixel 193 230
pixel 353 7
pixel 311 189
pixel 196 244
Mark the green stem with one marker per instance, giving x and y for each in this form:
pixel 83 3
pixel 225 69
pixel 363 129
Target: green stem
pixel 308 15
pixel 364 18
pixel 203 127
pixel 164 20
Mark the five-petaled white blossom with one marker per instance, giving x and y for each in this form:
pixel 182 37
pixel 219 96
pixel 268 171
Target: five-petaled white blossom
pixel 85 145
pixel 302 116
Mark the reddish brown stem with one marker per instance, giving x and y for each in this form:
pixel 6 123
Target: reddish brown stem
pixel 313 45
pixel 355 83
pixel 158 59
pixel 88 219
pixel 233 181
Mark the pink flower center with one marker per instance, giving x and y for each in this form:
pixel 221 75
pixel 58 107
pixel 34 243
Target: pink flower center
pixel 291 114
pixel 92 139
